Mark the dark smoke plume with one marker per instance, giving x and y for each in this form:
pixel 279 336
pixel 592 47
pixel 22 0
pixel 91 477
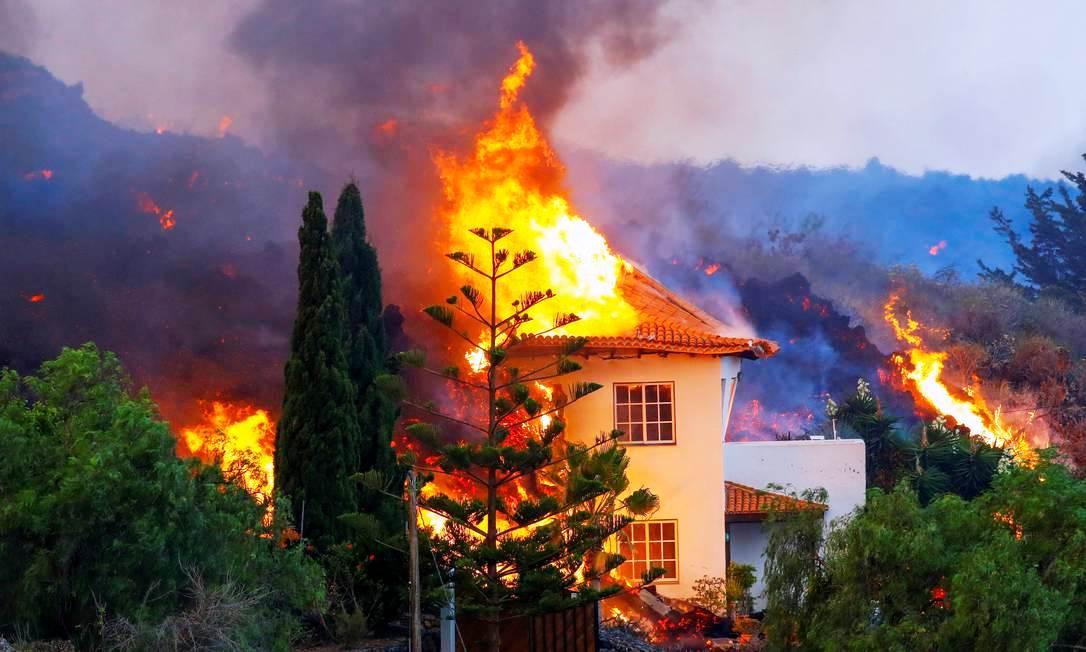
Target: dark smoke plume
pixel 374 88
pixel 203 310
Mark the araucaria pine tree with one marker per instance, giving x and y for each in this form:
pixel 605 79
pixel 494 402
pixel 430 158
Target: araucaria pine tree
pixel 526 513
pixel 367 350
pixel 317 440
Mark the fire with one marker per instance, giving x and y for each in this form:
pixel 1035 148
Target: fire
pixel 712 269
pixel 34 298
pixel 389 127
pixel 39 174
pixel 240 438
pixel 224 125
pixel 936 248
pixel 922 374
pixel 753 422
pixel 513 178
pixel 148 205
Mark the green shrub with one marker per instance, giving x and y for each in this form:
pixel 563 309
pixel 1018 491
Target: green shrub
pixel 100 520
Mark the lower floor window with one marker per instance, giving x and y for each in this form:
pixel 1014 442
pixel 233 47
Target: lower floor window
pixel 649 544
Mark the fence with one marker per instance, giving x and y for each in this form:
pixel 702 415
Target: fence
pixel 572 630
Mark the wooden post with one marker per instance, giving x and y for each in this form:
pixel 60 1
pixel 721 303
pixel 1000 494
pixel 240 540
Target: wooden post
pixel 413 548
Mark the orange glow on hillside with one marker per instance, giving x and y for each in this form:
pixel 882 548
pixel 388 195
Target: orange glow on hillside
pixel 148 205
pixel 240 438
pixel 922 371
pixel 513 178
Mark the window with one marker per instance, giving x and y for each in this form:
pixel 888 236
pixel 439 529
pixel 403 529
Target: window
pixel 645 413
pixel 649 544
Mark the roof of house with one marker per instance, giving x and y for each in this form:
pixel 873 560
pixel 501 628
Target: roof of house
pixel 668 324
pixel 745 503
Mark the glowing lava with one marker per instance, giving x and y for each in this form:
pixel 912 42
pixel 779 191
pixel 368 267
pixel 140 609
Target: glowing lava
pixel 922 373
pixel 241 439
pixel 513 178
pixel 148 205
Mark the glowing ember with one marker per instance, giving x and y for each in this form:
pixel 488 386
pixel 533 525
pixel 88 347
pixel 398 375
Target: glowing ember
pixel 388 127
pixel 148 205
pixel 712 269
pixel 922 373
pixel 34 298
pixel 753 422
pixel 238 437
pixel 224 125
pixel 513 179
pixel 936 248
pixel 39 174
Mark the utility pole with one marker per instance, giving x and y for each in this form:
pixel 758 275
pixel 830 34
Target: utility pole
pixel 413 548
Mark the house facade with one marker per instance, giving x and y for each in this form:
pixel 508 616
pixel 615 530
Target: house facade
pixel 669 387
pixel 762 476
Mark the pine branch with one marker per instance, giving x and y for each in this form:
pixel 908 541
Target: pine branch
pixel 579 451
pixel 455 379
pixel 467 260
pixel 454 519
pixel 442 415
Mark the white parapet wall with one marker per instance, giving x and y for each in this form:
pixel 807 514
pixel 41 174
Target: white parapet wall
pixel 837 465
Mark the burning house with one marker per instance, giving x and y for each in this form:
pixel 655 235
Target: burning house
pixel 669 385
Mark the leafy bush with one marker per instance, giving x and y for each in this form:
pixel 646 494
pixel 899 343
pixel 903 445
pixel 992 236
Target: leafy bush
pixel 99 519
pixel 711 593
pixel 1005 570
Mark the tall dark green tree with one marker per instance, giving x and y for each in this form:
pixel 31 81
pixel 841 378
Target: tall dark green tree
pixel 366 342
pixel 317 443
pixel 1050 261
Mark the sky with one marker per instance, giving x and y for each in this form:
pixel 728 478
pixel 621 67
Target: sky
pixel 981 88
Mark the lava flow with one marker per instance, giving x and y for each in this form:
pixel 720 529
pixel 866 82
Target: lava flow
pixel 148 205
pixel 238 437
pixel 513 179
pixel 922 373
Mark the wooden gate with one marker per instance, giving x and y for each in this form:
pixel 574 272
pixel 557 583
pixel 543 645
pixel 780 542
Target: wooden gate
pixel 571 630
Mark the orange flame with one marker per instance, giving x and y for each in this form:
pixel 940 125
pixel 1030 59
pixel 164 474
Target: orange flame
pixel 34 298
pixel 224 125
pixel 513 179
pixel 148 205
pixel 923 376
pixel 389 127
pixel 241 439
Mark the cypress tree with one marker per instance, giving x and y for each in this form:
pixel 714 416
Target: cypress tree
pixel 367 347
pixel 318 438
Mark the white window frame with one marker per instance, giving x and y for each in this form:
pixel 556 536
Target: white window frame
pixel 644 407
pixel 652 560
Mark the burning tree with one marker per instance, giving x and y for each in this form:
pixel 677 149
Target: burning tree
pixel 519 514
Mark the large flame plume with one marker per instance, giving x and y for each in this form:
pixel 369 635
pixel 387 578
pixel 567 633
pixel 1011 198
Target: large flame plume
pixel 922 371
pixel 512 178
pixel 241 439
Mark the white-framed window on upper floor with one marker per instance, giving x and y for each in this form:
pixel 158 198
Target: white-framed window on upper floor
pixel 645 412
pixel 647 545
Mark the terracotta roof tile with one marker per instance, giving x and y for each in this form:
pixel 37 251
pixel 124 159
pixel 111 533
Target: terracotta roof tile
pixel 668 324
pixel 748 501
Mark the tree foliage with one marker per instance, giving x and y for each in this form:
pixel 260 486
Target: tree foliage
pixel 1005 570
pixel 940 459
pixel 1051 260
pixel 99 519
pixel 530 509
pixel 366 341
pixel 318 440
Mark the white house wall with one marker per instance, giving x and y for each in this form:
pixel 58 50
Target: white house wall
pixel 688 475
pixel 838 466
